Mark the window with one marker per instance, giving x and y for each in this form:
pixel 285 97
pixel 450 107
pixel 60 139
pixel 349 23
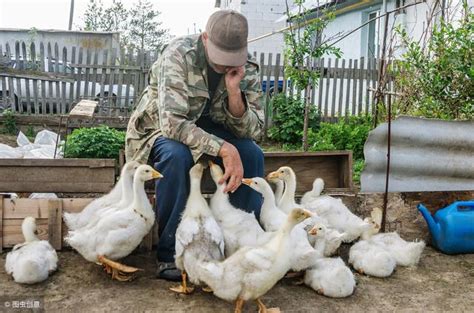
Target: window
pixel 373 35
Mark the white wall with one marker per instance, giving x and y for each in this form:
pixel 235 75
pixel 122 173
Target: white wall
pixel 261 16
pixel 87 40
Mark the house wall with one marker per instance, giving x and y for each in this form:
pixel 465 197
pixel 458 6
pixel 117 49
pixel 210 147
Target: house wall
pixel 87 40
pixel 413 20
pixel 261 16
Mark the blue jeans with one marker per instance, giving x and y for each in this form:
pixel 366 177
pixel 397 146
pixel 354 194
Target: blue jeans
pixel 173 159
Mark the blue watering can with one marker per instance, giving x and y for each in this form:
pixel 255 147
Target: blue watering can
pixel 452 228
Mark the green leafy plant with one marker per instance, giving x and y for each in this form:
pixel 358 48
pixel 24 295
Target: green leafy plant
pixel 436 80
pixel 30 132
pixel 357 169
pixel 303 43
pixel 9 122
pixel 348 134
pixel 288 119
pixel 95 142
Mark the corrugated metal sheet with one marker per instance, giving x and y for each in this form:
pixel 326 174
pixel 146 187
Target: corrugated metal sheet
pixel 426 155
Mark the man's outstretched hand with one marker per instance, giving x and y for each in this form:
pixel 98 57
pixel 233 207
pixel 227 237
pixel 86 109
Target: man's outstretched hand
pixel 233 169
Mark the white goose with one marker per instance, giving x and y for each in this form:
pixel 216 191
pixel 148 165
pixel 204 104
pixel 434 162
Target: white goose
pixel 333 210
pixel 371 258
pixel 32 261
pixel 251 272
pixel 279 189
pixel 198 237
pixel 328 276
pixel 118 233
pixel 313 194
pixel 121 193
pixel 272 219
pixel 239 228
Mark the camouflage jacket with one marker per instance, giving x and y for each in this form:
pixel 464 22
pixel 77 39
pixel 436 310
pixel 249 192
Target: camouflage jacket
pixel 176 96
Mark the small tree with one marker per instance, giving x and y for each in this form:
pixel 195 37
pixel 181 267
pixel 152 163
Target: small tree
pixel 436 80
pixel 144 27
pixel 139 26
pixel 303 42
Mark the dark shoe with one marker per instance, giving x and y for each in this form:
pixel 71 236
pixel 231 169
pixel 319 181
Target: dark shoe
pixel 168 271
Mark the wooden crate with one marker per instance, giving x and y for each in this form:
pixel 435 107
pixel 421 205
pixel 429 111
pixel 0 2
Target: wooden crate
pixel 48 214
pixel 57 175
pixel 335 167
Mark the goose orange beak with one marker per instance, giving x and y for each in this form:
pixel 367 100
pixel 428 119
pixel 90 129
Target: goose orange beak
pixel 155 174
pixel 313 231
pixel 247 181
pixel 273 175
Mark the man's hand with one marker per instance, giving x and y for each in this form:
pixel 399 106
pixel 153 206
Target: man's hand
pixel 233 76
pixel 233 169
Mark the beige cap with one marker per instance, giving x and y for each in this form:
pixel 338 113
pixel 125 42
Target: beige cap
pixel 227 32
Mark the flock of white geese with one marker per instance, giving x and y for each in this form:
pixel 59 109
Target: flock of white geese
pixel 222 248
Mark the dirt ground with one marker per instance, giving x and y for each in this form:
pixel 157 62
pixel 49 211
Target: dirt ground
pixel 440 283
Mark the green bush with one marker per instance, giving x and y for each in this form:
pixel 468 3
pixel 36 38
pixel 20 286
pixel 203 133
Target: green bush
pixel 436 79
pixel 357 169
pixel 95 142
pixel 9 123
pixel 348 134
pixel 288 120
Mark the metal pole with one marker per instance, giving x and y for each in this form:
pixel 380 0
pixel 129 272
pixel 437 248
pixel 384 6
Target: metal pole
pixel 387 174
pixel 71 15
pixel 381 79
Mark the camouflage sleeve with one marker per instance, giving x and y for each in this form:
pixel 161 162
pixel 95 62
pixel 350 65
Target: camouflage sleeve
pixel 173 108
pixel 250 124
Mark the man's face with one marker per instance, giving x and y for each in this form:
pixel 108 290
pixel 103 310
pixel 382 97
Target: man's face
pixel 221 69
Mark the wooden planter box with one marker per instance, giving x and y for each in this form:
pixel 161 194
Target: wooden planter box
pixel 48 214
pixel 335 167
pixel 57 175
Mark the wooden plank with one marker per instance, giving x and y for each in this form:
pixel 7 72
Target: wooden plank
pixel 35 81
pixel 20 64
pixel 361 84
pixel 341 88
pixel 277 74
pixel 119 87
pixel 86 94
pixel 102 80
pixel 94 74
pixel 128 79
pixel 55 213
pixel 111 103
pixel 320 86
pixel 49 175
pixel 57 99
pixel 262 66
pixel 11 97
pixel 367 85
pixel 1 221
pixel 27 82
pixel 76 78
pixel 84 108
pixel 334 88
pixel 348 88
pixel 354 86
pixel 50 83
pixel 62 108
pixel 328 81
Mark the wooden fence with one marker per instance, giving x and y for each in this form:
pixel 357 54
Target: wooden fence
pixel 48 79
